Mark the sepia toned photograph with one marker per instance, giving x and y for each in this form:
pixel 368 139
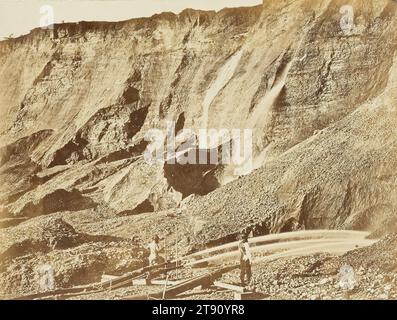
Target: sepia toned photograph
pixel 186 150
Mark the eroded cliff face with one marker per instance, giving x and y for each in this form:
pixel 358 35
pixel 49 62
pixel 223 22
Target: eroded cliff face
pixel 98 88
pixel 76 103
pixel 332 155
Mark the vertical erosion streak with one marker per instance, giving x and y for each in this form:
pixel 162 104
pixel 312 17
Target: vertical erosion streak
pixel 264 106
pixel 225 74
pixel 260 115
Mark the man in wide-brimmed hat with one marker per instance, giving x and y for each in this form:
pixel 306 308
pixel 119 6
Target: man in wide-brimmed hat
pixel 245 260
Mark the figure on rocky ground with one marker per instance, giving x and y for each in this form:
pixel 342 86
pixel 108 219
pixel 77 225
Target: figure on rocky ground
pixel 245 260
pixel 154 249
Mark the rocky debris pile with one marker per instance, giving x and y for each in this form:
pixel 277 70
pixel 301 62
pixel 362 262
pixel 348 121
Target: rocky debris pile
pixel 60 235
pixel 382 255
pixel 365 273
pixel 81 265
pixel 39 236
pixel 74 257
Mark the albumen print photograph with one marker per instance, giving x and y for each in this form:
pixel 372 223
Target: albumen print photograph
pixel 198 150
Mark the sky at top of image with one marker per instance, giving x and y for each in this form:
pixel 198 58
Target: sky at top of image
pixel 18 17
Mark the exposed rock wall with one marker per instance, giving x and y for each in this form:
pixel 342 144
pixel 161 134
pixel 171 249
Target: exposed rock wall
pixel 320 103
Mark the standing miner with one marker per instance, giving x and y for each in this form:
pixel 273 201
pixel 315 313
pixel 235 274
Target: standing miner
pixel 245 260
pixel 154 249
